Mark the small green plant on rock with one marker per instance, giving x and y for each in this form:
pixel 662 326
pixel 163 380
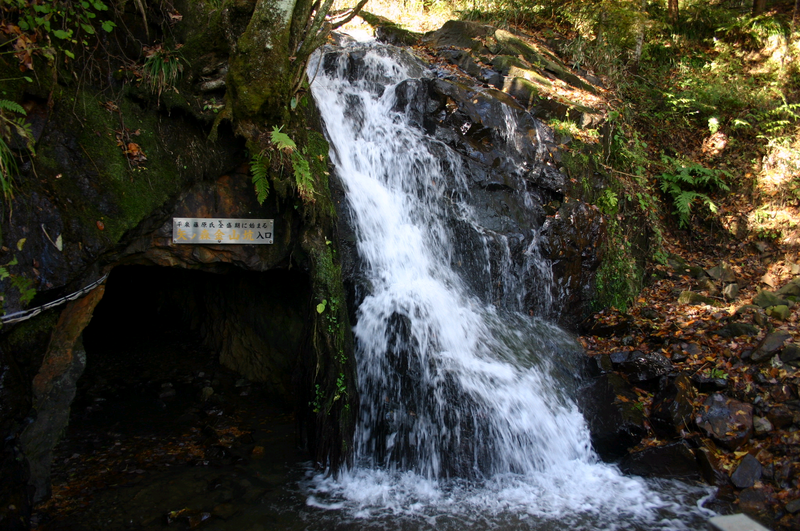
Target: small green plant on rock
pixel 162 68
pixel 262 162
pixel 11 122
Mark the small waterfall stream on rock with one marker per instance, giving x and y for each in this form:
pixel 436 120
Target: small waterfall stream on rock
pixel 466 417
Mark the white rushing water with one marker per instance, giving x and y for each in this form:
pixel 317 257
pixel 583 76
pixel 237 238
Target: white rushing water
pixel 466 417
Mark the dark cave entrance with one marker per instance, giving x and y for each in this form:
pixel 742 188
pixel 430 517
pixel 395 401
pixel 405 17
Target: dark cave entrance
pixel 186 369
pixel 187 408
pixel 154 321
pixel 169 336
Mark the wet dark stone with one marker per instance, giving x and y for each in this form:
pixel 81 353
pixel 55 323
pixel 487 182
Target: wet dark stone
pixel 793 506
pixel 738 329
pixel 672 407
pixel 727 421
pixel 595 327
pixel 597 365
pixel 645 366
pixel 780 416
pixel 705 384
pixel 615 425
pixel 693 349
pixel 791 355
pixel 710 468
pixel 752 501
pixel 620 356
pixel 770 345
pixel 781 392
pixel 672 461
pixel 765 299
pixel 747 473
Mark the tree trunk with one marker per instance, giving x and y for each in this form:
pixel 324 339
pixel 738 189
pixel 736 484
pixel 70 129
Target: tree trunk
pixel 672 7
pixel 759 6
pixel 640 27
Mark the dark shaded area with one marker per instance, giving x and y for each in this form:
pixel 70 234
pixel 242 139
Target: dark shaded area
pixel 157 407
pixel 249 322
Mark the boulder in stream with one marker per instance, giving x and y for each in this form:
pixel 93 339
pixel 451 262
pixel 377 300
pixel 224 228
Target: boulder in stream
pixel 615 420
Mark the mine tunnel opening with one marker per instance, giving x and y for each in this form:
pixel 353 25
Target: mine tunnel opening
pixel 158 328
pixel 187 368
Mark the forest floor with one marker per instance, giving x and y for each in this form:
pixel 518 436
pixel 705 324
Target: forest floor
pixel 697 339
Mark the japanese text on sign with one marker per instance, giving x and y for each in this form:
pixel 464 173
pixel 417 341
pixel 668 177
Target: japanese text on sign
pixel 221 230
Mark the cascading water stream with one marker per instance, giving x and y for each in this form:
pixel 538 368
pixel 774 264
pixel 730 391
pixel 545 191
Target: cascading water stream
pixel 466 407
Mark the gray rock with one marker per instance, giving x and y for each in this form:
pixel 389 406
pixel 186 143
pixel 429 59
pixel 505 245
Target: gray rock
pixel 723 272
pixel 747 473
pixel 643 367
pixel 730 292
pixel 709 286
pixel 206 393
pixel 727 421
pixel 769 346
pixel 793 506
pixel 762 425
pixel 765 299
pixel 791 355
pixel 458 34
pixel 735 522
pixel 738 329
pixel 689 297
pixel 792 289
pixel 780 312
pixel 620 356
pixel 752 501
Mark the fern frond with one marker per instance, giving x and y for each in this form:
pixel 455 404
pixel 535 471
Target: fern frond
pixel 282 140
pixel 8 168
pixel 259 167
pixel 303 178
pixel 8 105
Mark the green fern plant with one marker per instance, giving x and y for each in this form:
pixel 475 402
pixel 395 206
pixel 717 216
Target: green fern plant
pixel 687 185
pixel 303 178
pixel 260 165
pixel 11 121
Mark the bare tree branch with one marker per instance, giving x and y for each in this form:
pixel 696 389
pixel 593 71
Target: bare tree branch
pixel 355 11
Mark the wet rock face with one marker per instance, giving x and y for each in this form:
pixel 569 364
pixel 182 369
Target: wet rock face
pixel 506 171
pixel 574 240
pixel 615 422
pixel 672 408
pixel 674 461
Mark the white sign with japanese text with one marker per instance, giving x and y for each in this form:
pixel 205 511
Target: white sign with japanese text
pixel 221 230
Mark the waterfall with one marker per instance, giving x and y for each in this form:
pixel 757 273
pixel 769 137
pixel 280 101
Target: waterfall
pixel 466 403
